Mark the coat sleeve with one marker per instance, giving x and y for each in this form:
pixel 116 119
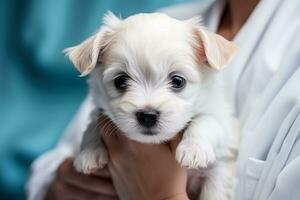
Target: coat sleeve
pixel 288 181
pixel 43 169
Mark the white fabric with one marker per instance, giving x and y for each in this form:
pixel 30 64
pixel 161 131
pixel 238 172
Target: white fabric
pixel 263 85
pixel 43 169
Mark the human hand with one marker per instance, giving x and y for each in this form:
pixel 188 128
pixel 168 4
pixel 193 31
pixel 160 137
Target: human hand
pixel 143 171
pixel 69 184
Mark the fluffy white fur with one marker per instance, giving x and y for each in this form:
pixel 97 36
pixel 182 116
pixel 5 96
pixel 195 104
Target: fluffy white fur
pixel 150 47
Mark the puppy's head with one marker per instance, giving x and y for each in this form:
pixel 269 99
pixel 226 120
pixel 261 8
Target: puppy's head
pixel 152 68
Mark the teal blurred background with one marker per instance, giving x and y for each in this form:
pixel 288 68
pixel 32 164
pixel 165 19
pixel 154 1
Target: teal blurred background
pixel 39 89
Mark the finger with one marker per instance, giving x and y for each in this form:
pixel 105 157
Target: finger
pixel 103 173
pixel 174 142
pixel 68 174
pixel 59 190
pixel 80 194
pixel 92 183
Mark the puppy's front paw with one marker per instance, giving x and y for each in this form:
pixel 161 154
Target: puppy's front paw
pixel 195 154
pixel 89 160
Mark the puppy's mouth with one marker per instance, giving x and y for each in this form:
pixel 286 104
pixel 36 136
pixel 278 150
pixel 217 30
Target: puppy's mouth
pixel 149 132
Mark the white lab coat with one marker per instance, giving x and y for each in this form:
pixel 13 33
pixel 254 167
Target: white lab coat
pixel 264 87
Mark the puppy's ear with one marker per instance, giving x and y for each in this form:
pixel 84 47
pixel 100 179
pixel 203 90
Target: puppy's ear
pixel 213 49
pixel 86 55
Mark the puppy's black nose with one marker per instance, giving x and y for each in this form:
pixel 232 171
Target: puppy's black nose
pixel 147 118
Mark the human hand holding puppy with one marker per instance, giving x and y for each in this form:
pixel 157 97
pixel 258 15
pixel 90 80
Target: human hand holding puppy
pixel 139 171
pixel 143 171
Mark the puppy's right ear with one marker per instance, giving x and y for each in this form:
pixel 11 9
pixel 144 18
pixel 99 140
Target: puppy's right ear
pixel 215 50
pixel 86 55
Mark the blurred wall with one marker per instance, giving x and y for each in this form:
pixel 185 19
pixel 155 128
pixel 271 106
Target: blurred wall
pixel 39 89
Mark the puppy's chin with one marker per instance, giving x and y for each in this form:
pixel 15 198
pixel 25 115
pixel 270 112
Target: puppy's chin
pixel 152 136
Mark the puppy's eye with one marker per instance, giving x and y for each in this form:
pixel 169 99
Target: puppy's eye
pixel 121 82
pixel 177 82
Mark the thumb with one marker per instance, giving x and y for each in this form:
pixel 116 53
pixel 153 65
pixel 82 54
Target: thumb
pixel 174 142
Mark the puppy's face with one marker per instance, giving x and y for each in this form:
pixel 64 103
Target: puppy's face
pixel 152 68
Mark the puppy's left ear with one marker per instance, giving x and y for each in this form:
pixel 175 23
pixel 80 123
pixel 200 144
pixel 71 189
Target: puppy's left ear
pixel 213 49
pixel 86 55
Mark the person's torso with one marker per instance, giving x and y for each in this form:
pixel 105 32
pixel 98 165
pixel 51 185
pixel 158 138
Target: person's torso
pixel 262 85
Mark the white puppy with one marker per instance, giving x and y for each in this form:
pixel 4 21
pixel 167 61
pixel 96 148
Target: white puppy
pixel 155 76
